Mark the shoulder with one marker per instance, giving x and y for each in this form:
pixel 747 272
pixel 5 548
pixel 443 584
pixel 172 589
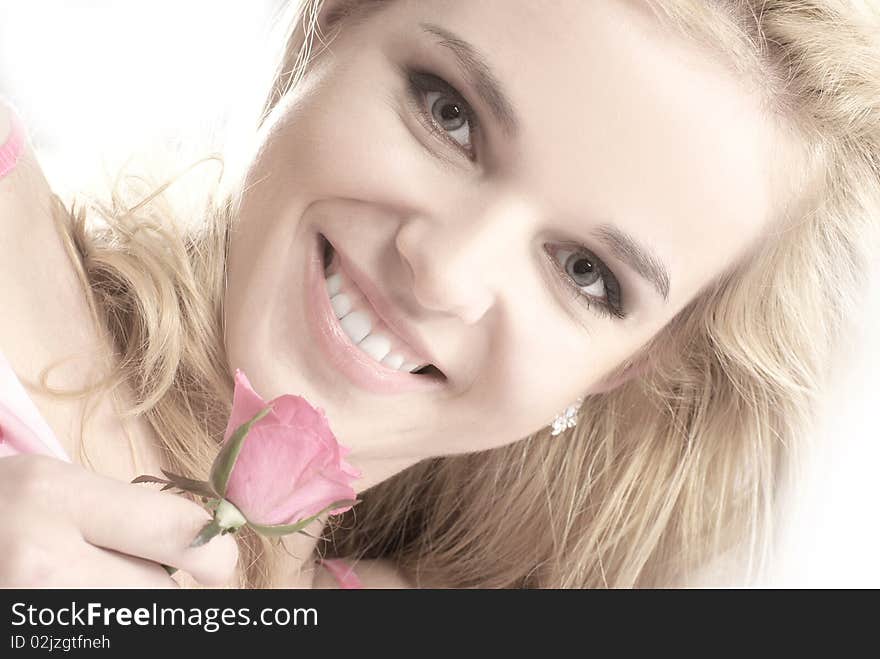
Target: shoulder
pixel 30 242
pixel 373 573
pixel 25 194
pixel 39 287
pixel 31 251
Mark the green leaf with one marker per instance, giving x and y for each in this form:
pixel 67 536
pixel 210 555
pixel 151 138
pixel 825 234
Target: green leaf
pixel 170 570
pixel 224 463
pixel 208 531
pixel 286 529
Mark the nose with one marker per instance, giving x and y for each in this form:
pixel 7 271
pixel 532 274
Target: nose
pixel 458 262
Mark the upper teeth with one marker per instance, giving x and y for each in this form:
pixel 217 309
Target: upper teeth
pixel 357 320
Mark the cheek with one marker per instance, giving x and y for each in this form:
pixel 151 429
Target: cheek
pixel 336 138
pixel 344 141
pixel 541 358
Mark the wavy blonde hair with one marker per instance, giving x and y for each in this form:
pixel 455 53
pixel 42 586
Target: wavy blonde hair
pixel 662 474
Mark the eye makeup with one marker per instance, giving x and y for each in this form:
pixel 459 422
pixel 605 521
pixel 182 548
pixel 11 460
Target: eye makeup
pixel 611 305
pixel 420 83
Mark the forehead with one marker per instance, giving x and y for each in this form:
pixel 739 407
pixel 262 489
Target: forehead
pixel 621 121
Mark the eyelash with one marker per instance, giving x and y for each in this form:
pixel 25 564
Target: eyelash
pixel 420 83
pixel 611 307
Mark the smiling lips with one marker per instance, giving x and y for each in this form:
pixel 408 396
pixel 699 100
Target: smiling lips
pixel 347 322
pixel 361 323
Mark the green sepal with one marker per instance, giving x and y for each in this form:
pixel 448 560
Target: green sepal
pixel 190 485
pixel 180 482
pixel 208 531
pixel 224 463
pixel 170 570
pixel 287 529
pixel 228 516
pixel 308 535
pixel 146 478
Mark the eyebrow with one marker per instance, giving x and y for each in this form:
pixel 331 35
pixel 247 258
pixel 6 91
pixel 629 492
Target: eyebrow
pixel 636 256
pixel 478 73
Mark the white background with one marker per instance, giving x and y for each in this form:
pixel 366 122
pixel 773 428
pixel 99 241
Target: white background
pixel 93 79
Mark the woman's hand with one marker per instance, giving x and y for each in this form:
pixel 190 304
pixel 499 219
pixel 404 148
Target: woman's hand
pixel 63 525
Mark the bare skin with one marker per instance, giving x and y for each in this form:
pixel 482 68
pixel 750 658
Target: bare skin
pixel 63 540
pixel 617 122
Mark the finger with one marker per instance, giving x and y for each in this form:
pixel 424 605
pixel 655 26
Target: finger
pixel 158 526
pixel 106 568
pixel 122 570
pixel 58 557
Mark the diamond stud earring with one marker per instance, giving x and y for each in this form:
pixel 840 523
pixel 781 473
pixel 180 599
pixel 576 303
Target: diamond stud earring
pixel 568 417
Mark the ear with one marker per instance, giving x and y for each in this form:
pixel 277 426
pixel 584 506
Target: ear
pixel 620 375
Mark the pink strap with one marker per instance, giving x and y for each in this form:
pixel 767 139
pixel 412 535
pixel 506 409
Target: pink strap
pixel 22 428
pixel 11 151
pixel 343 572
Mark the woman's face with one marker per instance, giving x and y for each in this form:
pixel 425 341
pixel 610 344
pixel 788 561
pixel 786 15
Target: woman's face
pixel 525 191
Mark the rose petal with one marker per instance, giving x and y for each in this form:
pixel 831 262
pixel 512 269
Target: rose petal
pixel 271 471
pixel 245 404
pixel 348 469
pixel 290 466
pixel 312 497
pixel 278 500
pixel 296 411
pixel 266 471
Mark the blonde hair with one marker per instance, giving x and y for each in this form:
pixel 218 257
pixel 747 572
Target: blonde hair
pixel 662 474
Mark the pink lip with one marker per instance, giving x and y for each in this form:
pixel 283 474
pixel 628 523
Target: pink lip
pixel 339 350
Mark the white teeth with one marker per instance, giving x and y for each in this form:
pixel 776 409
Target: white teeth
pixel 393 360
pixel 376 346
pixel 357 325
pixel 341 304
pixel 334 284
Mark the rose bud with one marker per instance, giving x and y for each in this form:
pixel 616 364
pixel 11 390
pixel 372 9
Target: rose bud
pixel 280 465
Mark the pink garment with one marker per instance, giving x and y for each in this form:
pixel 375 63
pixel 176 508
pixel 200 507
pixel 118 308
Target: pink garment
pixel 22 428
pixel 11 151
pixel 343 572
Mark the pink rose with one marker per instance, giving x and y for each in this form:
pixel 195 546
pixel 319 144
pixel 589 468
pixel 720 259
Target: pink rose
pixel 279 467
pixel 289 467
